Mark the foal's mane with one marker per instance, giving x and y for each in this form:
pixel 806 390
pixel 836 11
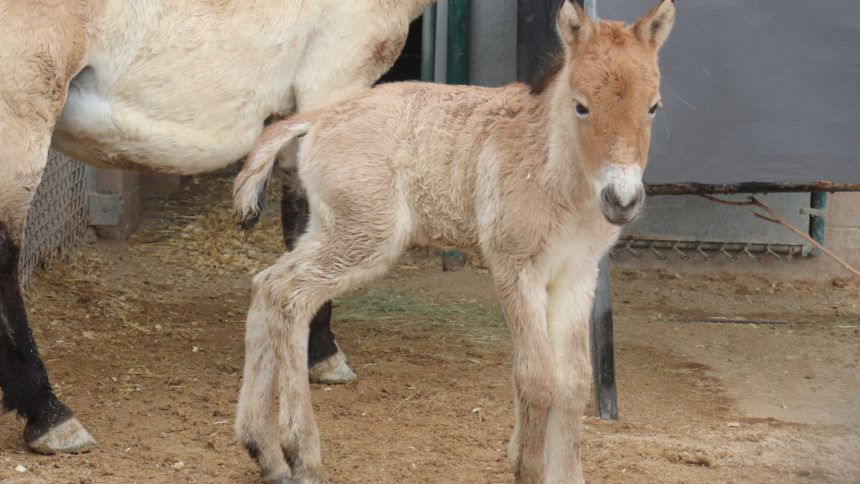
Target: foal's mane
pixel 610 31
pixel 548 72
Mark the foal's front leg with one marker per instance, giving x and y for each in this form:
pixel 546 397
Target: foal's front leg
pixel 568 310
pixel 524 303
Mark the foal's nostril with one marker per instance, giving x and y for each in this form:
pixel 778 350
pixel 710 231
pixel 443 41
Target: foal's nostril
pixel 615 210
pixel 610 197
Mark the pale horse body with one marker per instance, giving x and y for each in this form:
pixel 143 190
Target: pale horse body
pixel 164 86
pixel 539 180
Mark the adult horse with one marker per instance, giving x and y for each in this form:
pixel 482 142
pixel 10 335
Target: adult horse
pixel 180 86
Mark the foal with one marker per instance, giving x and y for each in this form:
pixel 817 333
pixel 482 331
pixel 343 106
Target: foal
pixel 538 179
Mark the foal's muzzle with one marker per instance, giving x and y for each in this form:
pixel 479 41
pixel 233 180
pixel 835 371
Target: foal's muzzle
pixel 617 209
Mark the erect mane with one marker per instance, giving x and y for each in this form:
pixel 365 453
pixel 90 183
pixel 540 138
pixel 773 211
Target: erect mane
pixel 548 72
pixel 607 31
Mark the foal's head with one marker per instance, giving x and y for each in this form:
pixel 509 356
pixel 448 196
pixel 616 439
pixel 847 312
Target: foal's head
pixel 609 89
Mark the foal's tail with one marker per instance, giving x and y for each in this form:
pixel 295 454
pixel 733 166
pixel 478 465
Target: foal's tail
pixel 249 190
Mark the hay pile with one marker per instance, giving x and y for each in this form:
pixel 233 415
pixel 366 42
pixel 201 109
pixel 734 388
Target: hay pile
pixel 209 240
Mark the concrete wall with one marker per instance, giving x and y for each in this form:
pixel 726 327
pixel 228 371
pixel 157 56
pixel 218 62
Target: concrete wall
pixel 843 225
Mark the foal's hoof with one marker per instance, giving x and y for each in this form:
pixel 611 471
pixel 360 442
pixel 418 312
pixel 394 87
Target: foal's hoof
pixel 285 480
pixel 296 480
pixel 332 371
pixel 69 437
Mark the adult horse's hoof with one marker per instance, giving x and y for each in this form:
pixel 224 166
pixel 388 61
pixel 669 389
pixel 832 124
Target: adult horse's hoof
pixel 333 370
pixel 69 437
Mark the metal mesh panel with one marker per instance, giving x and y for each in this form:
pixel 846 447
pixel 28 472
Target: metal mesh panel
pixel 662 249
pixel 57 217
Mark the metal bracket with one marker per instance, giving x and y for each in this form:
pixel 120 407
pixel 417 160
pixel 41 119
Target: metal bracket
pixel 817 203
pixel 812 212
pixel 103 209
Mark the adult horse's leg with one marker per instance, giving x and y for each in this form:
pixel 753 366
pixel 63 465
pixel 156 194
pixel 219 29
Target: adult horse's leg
pixel 43 47
pixel 326 361
pixel 51 426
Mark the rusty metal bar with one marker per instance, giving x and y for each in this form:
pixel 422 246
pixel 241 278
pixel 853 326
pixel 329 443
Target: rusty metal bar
pixel 688 188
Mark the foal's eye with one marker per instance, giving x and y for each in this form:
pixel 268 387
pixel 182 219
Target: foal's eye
pixel 654 109
pixel 581 109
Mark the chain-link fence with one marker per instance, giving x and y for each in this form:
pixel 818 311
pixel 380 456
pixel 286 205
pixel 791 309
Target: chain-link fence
pixel 57 218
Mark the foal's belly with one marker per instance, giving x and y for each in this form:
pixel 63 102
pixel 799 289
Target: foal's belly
pixel 445 225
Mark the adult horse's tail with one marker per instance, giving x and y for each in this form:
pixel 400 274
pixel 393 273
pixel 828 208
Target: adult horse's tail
pixel 249 190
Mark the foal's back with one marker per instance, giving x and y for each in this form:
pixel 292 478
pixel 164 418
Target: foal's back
pixel 430 142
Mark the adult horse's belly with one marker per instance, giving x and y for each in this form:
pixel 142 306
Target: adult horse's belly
pixel 108 131
pixel 176 91
pixel 105 131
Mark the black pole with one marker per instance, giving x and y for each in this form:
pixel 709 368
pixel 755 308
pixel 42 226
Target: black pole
pixel 603 347
pixel 536 36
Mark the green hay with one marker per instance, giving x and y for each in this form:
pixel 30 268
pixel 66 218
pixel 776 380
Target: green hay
pixel 478 322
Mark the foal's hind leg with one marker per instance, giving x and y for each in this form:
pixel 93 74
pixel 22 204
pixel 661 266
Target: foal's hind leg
pixel 256 414
pixel 327 362
pixel 287 295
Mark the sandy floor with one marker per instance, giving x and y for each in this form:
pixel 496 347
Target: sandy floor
pixel 144 341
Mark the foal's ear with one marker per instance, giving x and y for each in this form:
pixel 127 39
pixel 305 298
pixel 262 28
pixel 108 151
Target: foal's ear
pixel 655 26
pixel 574 26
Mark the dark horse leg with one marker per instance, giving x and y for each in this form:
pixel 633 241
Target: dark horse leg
pixel 44 46
pixel 51 426
pixel 326 362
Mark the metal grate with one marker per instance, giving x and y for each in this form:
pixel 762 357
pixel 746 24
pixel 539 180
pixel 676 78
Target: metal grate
pixel 57 218
pixel 706 251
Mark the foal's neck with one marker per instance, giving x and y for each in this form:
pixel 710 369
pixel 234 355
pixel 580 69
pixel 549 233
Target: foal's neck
pixel 564 175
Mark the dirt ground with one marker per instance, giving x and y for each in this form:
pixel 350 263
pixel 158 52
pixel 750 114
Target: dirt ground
pixel 145 342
